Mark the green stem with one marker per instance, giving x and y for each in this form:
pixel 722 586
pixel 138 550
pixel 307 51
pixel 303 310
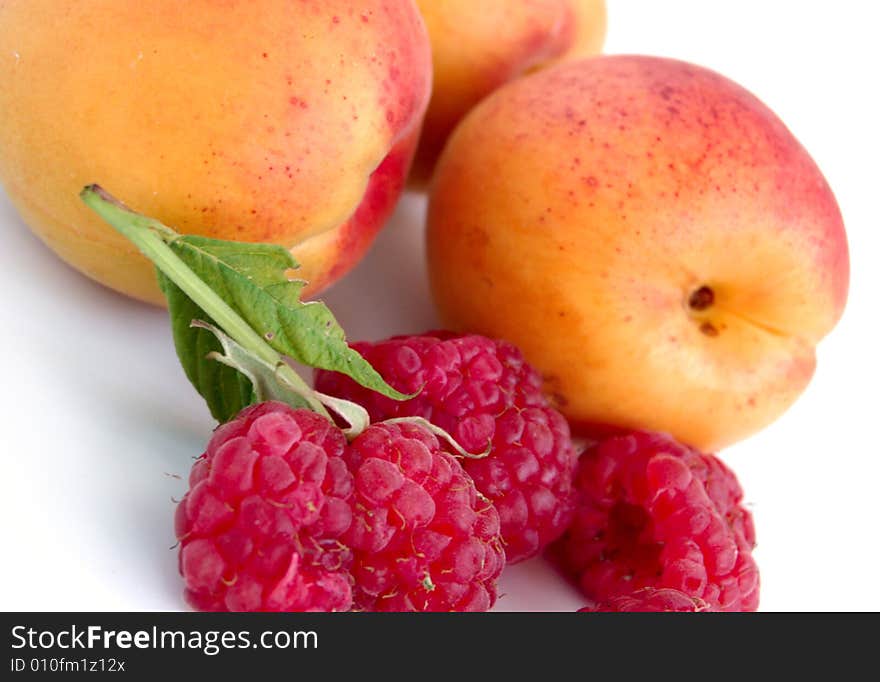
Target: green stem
pixel 150 236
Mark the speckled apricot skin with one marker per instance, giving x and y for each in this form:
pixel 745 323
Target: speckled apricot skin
pixel 255 120
pixel 479 46
pixel 576 211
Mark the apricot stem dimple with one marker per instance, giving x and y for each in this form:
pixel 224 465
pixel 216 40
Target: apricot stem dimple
pixel 701 298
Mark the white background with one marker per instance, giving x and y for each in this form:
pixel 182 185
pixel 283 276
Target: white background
pixel 97 418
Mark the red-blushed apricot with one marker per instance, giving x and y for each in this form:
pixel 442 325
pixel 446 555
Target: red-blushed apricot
pixel 651 235
pixel 254 120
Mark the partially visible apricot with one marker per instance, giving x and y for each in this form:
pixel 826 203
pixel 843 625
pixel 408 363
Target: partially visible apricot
pixel 479 46
pixel 255 120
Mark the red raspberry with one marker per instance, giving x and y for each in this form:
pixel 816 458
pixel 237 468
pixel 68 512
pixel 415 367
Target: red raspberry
pixel 479 391
pixel 269 500
pixel 423 538
pixel 655 513
pixel 650 600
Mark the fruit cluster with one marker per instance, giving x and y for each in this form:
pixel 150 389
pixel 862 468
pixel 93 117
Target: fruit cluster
pixel 284 514
pixel 613 241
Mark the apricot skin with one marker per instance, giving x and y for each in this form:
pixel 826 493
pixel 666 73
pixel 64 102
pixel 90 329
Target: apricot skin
pixel 260 120
pixel 654 238
pixel 479 46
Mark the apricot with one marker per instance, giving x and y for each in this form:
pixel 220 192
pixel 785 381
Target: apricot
pixel 261 120
pixel 655 239
pixel 479 46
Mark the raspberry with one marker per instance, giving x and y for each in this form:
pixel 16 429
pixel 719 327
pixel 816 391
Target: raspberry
pixel 655 513
pixel 649 599
pixel 260 527
pixel 481 391
pixel 422 537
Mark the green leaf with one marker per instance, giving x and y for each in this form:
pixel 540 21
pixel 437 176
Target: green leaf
pixel 226 390
pixel 253 279
pixel 265 380
pixel 244 290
